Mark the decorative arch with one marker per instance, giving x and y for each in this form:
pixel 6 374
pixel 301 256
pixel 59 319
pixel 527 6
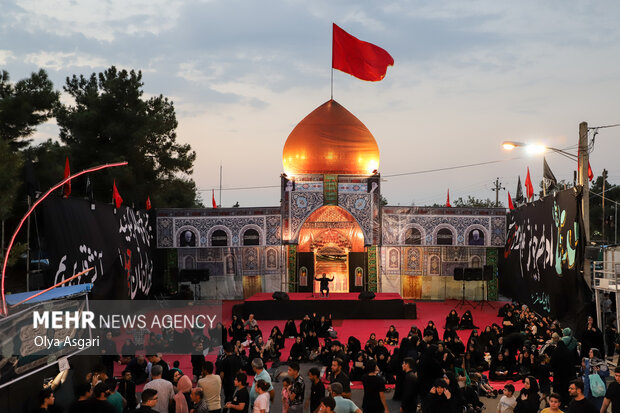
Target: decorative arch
pixel 181 231
pixel 434 265
pixel 220 227
pixel 189 263
pixel 329 219
pixel 271 259
pixel 317 211
pixel 475 262
pixel 445 226
pixel 261 233
pixel 401 236
pixel 483 231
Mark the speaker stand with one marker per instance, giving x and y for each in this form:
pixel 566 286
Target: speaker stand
pixel 464 302
pixel 485 296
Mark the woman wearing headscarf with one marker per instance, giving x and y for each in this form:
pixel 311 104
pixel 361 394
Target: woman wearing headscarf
pixel 528 400
pixel 391 337
pixel 563 370
pixel 467 321
pixel 277 337
pixel 592 337
pixel 290 330
pixel 430 327
pixel 452 320
pixel 594 364
pixel 182 399
pixel 487 339
pixel 429 369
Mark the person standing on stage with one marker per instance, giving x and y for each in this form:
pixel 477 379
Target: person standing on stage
pixel 324 284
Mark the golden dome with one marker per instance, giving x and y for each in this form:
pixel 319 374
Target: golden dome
pixel 330 140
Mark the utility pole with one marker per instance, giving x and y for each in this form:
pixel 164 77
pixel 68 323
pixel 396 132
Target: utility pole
pixel 584 158
pixel 498 187
pixel 604 216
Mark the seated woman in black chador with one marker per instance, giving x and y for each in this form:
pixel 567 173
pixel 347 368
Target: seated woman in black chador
pixel 371 344
pixel 452 320
pixel 498 370
pixel 358 369
pixel 289 329
pixel 277 337
pixel 431 327
pixel 391 337
pixel 297 350
pixel 467 321
pixel 354 346
pixel 449 334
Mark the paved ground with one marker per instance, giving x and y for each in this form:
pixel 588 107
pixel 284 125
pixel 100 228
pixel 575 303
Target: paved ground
pixel 393 405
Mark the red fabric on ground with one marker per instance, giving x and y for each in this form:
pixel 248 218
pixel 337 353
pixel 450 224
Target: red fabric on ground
pixel 426 311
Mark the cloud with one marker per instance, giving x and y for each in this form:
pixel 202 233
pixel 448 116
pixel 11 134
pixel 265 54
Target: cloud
pixel 6 56
pixel 59 60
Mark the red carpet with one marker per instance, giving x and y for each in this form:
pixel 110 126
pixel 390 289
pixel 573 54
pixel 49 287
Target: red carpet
pixel 435 311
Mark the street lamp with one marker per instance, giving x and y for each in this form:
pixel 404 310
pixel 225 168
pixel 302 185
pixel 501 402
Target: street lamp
pixel 536 149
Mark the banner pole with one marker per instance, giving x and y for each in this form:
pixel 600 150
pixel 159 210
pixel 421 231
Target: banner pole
pixel 332 77
pixel 4 309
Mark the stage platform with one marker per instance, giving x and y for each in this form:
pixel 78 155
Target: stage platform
pixel 339 305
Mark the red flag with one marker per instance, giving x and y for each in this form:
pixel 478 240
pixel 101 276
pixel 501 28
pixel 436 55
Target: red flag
pixel 448 200
pixel 116 196
pixel 148 203
pixel 529 189
pixel 66 190
pixel 361 59
pixel 213 198
pixel 511 206
pixel 590 173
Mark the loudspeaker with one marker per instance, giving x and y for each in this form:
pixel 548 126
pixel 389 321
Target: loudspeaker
pixel 366 295
pixel 473 274
pixel 194 276
pixel 458 274
pixel 410 311
pixel 487 273
pixel 280 295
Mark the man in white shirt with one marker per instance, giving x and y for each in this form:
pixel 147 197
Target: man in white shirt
pixel 211 385
pixel 165 391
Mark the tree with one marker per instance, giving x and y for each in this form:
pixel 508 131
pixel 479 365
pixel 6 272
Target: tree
pixel 612 193
pixel 110 121
pixel 472 202
pixel 10 168
pixel 24 106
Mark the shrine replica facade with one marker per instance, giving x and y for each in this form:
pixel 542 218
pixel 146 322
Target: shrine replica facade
pixel 330 220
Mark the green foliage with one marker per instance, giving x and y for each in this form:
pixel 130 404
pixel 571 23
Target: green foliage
pixel 110 121
pixel 11 163
pixel 612 193
pixel 472 202
pixel 24 106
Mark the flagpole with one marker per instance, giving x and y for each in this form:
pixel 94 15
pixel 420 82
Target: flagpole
pixel 220 184
pixel 332 81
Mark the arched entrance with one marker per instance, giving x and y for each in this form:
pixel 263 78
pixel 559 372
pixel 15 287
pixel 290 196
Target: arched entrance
pixel 331 242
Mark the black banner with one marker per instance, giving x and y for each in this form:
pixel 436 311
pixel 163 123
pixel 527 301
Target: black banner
pixel 117 245
pixel 542 262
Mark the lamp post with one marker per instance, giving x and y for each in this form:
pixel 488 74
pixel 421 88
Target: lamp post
pixel 582 159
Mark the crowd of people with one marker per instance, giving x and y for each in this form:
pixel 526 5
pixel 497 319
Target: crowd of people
pixel 429 373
